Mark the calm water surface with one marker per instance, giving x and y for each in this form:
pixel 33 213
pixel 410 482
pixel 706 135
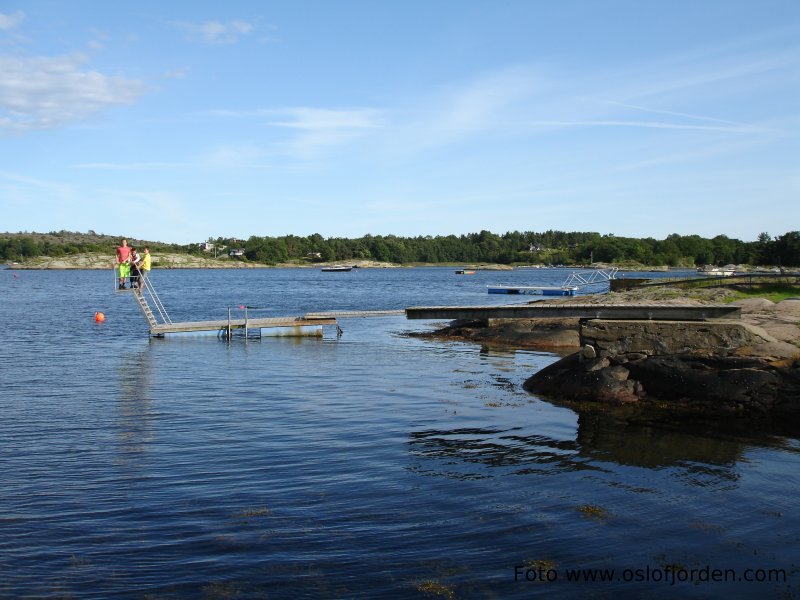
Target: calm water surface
pixel 363 466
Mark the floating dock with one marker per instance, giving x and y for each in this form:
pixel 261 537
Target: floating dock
pixel 310 324
pixel 162 325
pixel 533 291
pixel 570 286
pixel 264 327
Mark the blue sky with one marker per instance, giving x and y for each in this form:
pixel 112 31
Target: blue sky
pixel 179 121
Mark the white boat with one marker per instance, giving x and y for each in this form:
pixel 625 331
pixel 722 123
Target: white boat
pixel 711 271
pixel 336 269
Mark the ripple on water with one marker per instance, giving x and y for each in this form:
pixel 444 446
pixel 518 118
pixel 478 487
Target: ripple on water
pixel 369 465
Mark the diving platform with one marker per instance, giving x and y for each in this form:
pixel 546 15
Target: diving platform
pixel 161 325
pixel 537 310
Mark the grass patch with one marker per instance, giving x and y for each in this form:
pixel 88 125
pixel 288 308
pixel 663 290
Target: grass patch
pixel 773 293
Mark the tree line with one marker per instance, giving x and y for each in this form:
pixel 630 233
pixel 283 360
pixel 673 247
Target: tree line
pixel 549 247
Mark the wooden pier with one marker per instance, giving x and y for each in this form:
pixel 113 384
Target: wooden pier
pixel 647 312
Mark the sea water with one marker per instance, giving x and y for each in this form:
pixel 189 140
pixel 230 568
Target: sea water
pixel 369 464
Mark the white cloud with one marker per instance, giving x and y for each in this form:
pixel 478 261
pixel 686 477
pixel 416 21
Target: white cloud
pixel 214 32
pixel 649 125
pixel 485 102
pixel 47 92
pixel 318 128
pixel 11 21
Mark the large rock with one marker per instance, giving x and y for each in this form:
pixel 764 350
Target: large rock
pixel 556 335
pixel 754 305
pixel 615 337
pixel 720 384
pixel 576 378
pixel 714 366
pixel 779 321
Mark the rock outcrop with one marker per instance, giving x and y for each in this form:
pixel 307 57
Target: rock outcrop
pixel 551 335
pixel 723 366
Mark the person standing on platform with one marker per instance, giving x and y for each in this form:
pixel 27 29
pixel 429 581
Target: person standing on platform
pixel 144 267
pixel 135 260
pixel 123 263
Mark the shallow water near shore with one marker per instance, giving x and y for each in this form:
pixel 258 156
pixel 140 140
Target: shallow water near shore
pixel 366 465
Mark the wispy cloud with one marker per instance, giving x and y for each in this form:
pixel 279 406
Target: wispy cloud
pixel 234 155
pixel 671 113
pixel 224 156
pixel 48 92
pixel 648 125
pixel 134 166
pixel 312 130
pixel 482 103
pixel 215 32
pixel 317 129
pixel 11 21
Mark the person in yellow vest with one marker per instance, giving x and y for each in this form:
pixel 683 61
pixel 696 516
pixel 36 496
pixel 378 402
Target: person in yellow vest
pixel 144 265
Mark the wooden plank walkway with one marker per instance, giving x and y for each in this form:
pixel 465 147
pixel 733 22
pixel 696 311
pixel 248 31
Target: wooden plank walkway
pixel 349 314
pixel 647 312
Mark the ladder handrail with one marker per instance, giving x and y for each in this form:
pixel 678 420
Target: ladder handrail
pixel 590 277
pixel 146 285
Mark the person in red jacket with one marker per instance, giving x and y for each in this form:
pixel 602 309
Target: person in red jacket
pixel 123 263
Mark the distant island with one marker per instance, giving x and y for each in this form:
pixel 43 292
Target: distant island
pixel 549 248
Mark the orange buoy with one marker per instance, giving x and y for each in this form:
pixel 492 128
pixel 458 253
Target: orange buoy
pixel 99 317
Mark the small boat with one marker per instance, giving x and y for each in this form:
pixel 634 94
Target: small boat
pixel 336 269
pixel 464 272
pixel 711 271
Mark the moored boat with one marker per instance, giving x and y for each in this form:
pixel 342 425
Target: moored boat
pixel 336 269
pixel 712 271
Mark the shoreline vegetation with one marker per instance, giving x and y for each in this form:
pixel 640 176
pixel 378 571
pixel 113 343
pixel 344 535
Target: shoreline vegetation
pixel 64 249
pixel 174 260
pixel 94 261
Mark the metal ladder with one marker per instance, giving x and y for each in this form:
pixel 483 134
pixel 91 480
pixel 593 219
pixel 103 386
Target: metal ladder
pixel 146 287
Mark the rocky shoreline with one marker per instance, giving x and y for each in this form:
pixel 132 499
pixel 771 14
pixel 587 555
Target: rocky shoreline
pixel 96 261
pixel 747 366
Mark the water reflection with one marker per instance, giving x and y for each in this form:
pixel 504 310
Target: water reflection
pixel 601 443
pixel 134 406
pixel 465 453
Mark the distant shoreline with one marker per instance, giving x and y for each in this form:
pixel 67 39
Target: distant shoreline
pixel 188 261
pixel 92 261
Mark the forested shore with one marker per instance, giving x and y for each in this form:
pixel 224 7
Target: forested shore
pixel 511 248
